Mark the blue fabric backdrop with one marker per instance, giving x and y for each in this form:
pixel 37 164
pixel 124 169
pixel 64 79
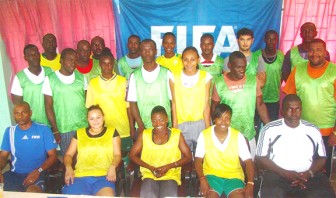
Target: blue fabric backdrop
pixel 189 19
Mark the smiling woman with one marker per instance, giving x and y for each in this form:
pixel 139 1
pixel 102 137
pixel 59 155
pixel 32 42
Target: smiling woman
pixel 161 170
pixel 93 144
pixel 217 160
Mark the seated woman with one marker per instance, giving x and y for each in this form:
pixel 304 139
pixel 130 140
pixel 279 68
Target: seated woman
pixel 98 155
pixel 217 163
pixel 161 160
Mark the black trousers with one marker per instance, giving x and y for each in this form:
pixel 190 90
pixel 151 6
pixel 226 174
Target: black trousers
pixel 272 185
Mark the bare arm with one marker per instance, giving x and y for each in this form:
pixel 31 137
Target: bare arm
pixel 250 177
pixel 17 99
pixel 262 110
pixel 111 173
pixel 136 116
pixel 3 161
pixel 69 173
pixel 286 67
pixel 318 164
pixel 185 158
pixel 206 111
pixel 52 159
pixel 267 164
pixel 136 151
pixel 173 104
pixel 186 153
pixel 204 185
pixel 332 137
pixel 131 122
pixel 262 78
pixel 35 174
pixel 213 105
pixel 49 108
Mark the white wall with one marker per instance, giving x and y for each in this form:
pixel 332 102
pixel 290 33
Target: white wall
pixel 5 102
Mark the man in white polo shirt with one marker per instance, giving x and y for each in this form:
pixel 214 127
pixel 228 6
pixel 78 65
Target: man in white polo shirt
pixel 292 155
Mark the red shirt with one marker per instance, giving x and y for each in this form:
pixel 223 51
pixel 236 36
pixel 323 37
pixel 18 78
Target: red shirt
pixel 86 69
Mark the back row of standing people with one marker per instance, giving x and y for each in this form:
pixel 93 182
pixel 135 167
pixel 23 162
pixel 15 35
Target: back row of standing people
pixel 151 85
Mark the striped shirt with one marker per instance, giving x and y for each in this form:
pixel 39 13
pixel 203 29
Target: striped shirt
pixel 291 148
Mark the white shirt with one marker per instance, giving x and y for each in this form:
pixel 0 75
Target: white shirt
pixel 190 81
pixel 243 150
pixel 149 77
pixel 290 148
pixel 16 86
pixel 46 89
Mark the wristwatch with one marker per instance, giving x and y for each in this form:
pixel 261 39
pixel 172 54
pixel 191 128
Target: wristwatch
pixel 311 173
pixel 40 170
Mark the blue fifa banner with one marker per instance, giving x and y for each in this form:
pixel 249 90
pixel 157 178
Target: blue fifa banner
pixel 190 19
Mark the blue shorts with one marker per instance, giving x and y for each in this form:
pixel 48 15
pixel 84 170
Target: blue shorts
pixel 222 185
pixel 87 186
pixel 14 181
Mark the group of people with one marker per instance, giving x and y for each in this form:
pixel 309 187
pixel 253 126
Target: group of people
pixel 177 109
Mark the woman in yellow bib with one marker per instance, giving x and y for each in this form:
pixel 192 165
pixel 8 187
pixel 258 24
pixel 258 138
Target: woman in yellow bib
pixel 98 155
pixel 217 163
pixel 163 153
pixel 190 89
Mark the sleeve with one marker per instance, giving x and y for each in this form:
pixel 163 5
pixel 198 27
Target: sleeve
pixel 208 77
pixel 320 145
pixel 286 66
pixel 200 148
pixel 262 146
pixel 169 75
pixel 49 140
pixel 16 87
pixel 261 64
pixel 215 96
pixel 46 90
pixel 225 66
pixel 243 150
pixel 5 146
pixel 131 92
pixel 290 87
pixel 85 83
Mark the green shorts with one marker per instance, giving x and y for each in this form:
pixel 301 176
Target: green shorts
pixel 126 144
pixel 226 186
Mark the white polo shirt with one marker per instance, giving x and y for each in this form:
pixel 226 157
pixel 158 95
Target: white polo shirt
pixel 291 148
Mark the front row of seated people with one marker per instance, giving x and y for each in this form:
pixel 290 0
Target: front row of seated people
pixel 290 152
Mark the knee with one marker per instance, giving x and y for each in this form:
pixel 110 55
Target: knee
pixel 268 191
pixel 34 189
pixel 149 188
pixel 148 193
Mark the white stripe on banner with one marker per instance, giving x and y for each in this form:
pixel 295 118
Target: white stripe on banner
pixel 189 20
